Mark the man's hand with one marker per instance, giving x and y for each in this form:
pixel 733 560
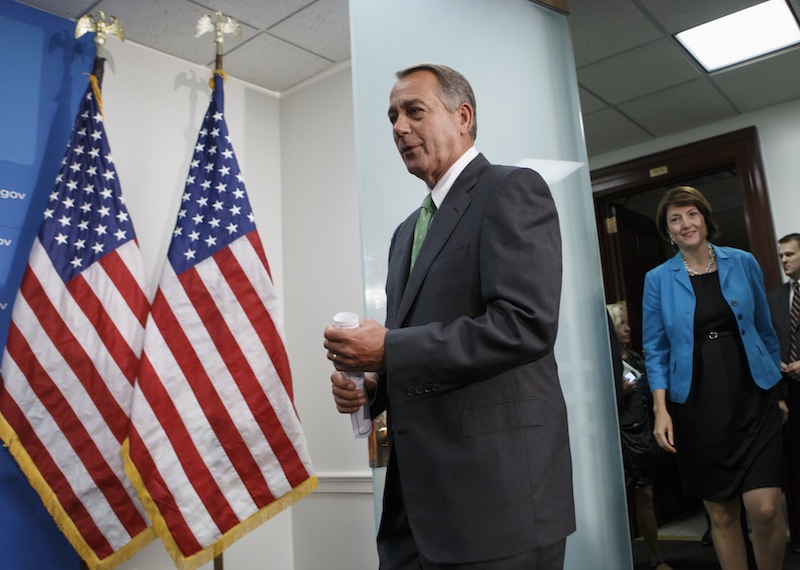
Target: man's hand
pixel 784 411
pixel 357 350
pixel 792 370
pixel 347 397
pixel 629 387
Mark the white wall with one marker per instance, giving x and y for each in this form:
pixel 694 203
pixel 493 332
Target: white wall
pixel 334 529
pixel 779 135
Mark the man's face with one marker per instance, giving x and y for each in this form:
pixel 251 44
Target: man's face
pixel 429 137
pixel 789 256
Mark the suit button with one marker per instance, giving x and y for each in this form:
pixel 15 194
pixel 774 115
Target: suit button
pixel 420 390
pixel 735 303
pixel 740 317
pixel 434 387
pixel 411 392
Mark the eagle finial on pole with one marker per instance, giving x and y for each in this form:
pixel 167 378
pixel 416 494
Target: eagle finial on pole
pixel 103 28
pixel 223 25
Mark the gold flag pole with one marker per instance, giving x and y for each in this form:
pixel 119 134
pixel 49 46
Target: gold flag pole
pixel 223 25
pixel 103 28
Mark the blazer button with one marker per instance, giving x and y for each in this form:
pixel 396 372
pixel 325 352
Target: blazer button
pixel 420 390
pixel 435 387
pixel 735 303
pixel 740 317
pixel 411 392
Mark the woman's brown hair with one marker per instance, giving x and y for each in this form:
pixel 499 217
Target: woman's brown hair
pixel 685 196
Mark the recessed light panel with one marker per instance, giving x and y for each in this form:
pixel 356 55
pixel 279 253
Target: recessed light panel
pixel 743 35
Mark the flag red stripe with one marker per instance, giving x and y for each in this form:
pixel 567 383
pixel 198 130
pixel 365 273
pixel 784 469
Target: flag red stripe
pixel 255 241
pixel 74 432
pixel 52 474
pixel 228 434
pixel 116 345
pixel 164 408
pixel 120 274
pixel 249 384
pixel 257 312
pixel 159 492
pixel 74 354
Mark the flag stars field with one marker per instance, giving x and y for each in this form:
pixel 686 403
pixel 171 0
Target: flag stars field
pixel 79 214
pixel 208 202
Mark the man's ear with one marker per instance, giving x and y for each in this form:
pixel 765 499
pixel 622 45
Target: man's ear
pixel 466 115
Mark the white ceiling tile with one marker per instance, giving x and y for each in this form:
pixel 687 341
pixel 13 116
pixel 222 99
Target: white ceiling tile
pixel 70 9
pixel 273 63
pixel 679 108
pixel 771 81
pixel 638 72
pixel 590 103
pixel 603 28
pixel 322 28
pixel 608 130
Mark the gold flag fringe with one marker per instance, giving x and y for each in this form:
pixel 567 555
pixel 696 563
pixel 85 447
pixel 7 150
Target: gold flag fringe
pixel 60 516
pixel 240 530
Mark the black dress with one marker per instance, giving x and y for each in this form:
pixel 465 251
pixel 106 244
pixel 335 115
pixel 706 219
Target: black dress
pixel 727 434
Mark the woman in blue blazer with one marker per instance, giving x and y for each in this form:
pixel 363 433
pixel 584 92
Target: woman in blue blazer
pixel 713 359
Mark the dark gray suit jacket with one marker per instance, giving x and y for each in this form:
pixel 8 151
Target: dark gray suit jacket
pixel 477 418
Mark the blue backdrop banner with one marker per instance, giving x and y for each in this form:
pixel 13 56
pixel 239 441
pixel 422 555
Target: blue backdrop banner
pixel 46 73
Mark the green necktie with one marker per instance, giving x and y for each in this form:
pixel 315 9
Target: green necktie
pixel 426 212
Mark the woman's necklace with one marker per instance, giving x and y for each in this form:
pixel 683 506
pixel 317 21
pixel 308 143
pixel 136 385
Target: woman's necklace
pixel 711 258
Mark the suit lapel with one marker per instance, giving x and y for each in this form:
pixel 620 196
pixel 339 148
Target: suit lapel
pixel 397 274
pixel 444 222
pixel 783 314
pixel 723 268
pixel 679 272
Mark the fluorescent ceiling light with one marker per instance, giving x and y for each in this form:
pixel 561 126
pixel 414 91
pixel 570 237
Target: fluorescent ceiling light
pixel 743 35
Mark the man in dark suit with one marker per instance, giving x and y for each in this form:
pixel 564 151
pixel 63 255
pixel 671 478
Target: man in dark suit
pixel 479 473
pixel 781 302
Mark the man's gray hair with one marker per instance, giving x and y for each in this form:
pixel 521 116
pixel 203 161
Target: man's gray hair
pixel 454 89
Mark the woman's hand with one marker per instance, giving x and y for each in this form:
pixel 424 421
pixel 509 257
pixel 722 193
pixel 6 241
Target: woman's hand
pixel 662 430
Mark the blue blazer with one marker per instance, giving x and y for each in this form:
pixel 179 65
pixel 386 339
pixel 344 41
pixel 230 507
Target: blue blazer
pixel 668 321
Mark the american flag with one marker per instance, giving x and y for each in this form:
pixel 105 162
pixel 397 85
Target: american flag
pixel 73 350
pixel 215 445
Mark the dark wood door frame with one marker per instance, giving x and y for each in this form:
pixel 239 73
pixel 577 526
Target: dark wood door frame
pixel 737 150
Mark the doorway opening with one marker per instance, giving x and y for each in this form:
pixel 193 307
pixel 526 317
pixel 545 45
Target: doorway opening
pixel 727 169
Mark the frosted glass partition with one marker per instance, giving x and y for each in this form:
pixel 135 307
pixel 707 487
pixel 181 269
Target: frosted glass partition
pixel 518 57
